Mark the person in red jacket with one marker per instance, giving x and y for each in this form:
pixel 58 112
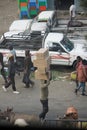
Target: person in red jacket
pixel 81 77
pixel 79 59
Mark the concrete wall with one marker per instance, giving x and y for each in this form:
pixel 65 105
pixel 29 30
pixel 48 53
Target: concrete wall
pixel 50 4
pixel 77 3
pixel 78 7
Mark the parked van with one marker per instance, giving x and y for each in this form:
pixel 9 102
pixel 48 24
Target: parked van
pixel 39 28
pixel 48 16
pixel 64 50
pixel 17 28
pixel 43 23
pixel 20 25
pixel 9 34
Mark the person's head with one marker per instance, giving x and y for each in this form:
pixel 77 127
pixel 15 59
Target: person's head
pixel 72 112
pixel 10 47
pixel 27 52
pixel 79 59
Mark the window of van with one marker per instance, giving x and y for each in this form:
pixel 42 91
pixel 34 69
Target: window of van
pixel 68 45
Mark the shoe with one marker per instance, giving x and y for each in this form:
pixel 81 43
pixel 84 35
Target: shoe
pixel 83 94
pixel 4 89
pixel 32 84
pixel 16 92
pixel 27 86
pixel 76 91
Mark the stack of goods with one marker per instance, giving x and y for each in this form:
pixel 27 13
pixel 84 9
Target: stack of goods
pixel 23 8
pixel 32 8
pixel 42 62
pixel 42 5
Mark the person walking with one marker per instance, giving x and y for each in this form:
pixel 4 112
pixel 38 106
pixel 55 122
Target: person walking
pixel 13 52
pixel 72 12
pixel 78 60
pixel 27 69
pixel 44 97
pixel 81 77
pixel 2 68
pixel 11 75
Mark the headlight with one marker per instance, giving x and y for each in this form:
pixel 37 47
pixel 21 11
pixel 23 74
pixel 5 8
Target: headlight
pixel 42 33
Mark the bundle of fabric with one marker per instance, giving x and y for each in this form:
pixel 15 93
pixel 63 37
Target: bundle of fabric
pixel 23 120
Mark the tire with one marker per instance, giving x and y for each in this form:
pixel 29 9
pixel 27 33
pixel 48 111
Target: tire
pixel 74 64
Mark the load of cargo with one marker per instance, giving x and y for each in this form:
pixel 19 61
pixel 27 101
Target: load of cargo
pixel 42 62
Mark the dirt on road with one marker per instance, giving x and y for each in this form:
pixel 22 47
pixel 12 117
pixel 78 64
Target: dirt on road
pixel 8 13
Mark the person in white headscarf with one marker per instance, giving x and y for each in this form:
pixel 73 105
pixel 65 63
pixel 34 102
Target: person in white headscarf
pixel 72 11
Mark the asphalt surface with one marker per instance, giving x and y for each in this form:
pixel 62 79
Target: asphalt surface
pixel 61 96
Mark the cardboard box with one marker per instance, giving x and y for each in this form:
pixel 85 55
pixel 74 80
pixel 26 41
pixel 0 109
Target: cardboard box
pixel 39 76
pixel 42 62
pixel 42 53
pixel 43 70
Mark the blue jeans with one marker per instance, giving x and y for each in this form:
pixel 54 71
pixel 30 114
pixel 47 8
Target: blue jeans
pixel 81 84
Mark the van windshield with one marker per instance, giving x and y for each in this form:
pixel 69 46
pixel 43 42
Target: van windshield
pixel 68 45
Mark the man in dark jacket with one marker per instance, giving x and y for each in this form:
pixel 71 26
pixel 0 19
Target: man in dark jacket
pixel 27 69
pixel 11 75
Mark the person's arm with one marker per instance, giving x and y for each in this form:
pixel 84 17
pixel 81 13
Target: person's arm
pixel 45 83
pixel 84 71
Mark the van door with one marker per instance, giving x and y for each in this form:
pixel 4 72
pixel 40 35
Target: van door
pixel 58 55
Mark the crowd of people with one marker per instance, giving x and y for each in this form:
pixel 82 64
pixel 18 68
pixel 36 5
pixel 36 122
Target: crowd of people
pixel 81 78
pixel 12 70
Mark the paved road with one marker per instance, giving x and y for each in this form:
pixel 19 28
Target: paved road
pixel 61 96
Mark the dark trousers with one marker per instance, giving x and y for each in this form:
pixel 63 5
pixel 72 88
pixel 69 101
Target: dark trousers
pixel 44 108
pixel 11 82
pixel 28 77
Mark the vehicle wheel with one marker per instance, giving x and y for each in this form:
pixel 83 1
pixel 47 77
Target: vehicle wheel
pixel 74 64
pixel 20 64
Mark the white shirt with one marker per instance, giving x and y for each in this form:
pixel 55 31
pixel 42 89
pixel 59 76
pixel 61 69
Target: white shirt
pixel 73 10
